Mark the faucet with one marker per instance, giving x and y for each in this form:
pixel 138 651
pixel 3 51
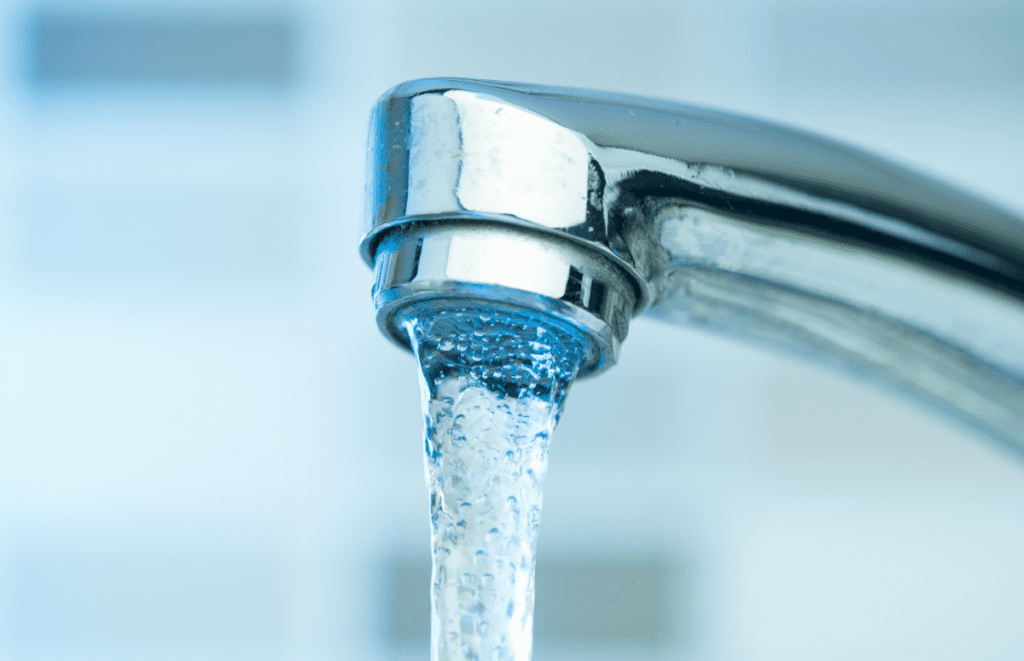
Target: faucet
pixel 592 208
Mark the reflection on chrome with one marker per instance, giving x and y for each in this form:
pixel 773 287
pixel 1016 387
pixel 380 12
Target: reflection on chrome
pixel 595 207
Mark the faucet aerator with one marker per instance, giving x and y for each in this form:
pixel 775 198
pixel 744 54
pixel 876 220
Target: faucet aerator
pixel 439 265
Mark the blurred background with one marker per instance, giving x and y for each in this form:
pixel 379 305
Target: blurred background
pixel 207 450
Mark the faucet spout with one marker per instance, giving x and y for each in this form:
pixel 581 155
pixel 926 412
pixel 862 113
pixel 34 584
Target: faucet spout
pixel 594 207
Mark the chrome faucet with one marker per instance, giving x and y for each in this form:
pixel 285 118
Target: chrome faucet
pixel 596 207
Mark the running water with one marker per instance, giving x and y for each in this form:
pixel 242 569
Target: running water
pixel 493 383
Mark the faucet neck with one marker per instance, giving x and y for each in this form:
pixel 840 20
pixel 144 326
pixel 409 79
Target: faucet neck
pixel 594 207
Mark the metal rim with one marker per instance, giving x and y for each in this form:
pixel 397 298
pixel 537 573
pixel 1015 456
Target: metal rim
pixel 574 287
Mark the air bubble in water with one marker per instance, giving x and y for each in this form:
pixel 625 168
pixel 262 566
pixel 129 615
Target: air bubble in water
pixel 490 409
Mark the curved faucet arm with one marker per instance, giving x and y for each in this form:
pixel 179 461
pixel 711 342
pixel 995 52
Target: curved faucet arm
pixel 731 160
pixel 714 220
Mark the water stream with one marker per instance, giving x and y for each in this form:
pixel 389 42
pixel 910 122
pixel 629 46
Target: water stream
pixel 493 383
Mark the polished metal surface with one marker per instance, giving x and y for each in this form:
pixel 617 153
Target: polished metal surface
pixel 486 263
pixel 701 218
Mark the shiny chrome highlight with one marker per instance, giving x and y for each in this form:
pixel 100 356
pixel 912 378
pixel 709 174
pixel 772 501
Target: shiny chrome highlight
pixel 485 263
pixel 701 218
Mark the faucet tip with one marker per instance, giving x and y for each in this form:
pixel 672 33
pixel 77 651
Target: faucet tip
pixel 438 265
